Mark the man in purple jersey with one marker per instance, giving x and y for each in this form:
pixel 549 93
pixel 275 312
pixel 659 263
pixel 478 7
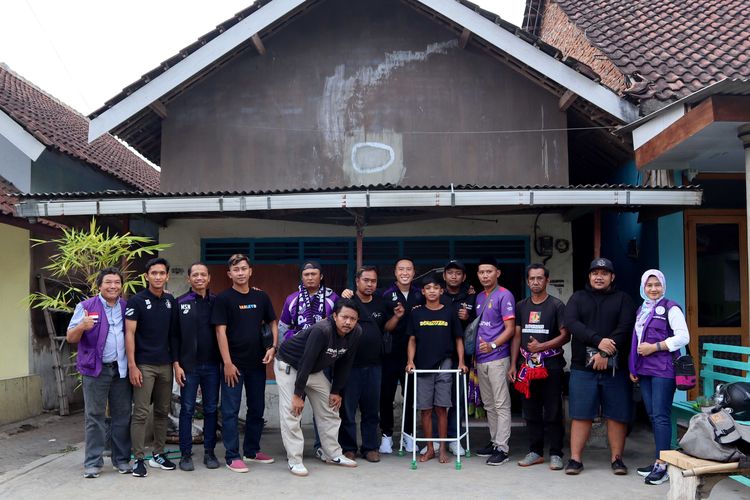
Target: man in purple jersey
pixel 311 302
pixel 496 308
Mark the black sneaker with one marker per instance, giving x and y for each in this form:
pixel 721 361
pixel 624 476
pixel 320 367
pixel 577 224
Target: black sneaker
pixel 573 468
pixel 160 461
pixel 210 460
pixel 140 470
pixel 499 457
pixel 618 466
pixel 186 462
pixel 487 451
pixel 645 471
pixel 658 475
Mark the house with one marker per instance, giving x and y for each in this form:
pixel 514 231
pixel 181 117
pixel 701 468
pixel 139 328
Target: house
pixel 44 148
pixel 354 131
pixel 686 66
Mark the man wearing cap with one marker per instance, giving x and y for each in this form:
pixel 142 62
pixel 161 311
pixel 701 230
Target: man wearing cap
pixel 497 310
pixel 600 319
pixel 311 302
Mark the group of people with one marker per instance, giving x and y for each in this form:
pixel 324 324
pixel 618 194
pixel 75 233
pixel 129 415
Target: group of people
pixel 349 353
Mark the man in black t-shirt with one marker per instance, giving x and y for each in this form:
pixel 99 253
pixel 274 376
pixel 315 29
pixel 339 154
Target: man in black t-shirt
pixel 435 336
pixel 150 322
pixel 540 336
pixel 238 315
pixel 363 386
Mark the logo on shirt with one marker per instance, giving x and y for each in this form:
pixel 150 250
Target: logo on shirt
pixel 185 308
pixel 660 310
pixel 433 322
pixel 129 311
pixel 169 305
pixel 535 317
pixel 394 297
pixel 335 353
pixel 148 303
pixel 248 306
pixel 487 324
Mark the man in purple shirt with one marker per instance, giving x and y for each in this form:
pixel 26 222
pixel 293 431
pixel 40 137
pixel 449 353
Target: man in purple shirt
pixel 312 302
pixel 495 307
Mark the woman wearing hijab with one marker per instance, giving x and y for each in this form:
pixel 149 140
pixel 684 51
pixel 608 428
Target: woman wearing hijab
pixel 660 331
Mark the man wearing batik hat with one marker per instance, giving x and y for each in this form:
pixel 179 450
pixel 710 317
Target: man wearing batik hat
pixel 497 325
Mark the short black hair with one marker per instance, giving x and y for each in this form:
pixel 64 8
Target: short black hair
pixel 107 271
pixel 537 265
pixel 433 279
pixel 237 258
pixel 196 263
pixel 342 303
pixel 365 269
pixel 156 261
pixel 395 262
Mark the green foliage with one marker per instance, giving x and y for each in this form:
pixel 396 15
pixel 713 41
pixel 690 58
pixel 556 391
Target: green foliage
pixel 81 253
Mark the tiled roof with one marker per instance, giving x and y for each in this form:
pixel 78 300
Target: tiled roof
pixel 7 197
pixel 677 47
pixel 60 127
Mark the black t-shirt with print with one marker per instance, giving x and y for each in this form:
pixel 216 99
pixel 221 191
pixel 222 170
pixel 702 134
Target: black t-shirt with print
pixel 542 322
pixel 436 332
pixel 157 322
pixel 243 314
pixel 372 318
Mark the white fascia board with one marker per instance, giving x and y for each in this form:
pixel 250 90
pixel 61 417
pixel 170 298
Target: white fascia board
pixel 17 135
pixel 655 126
pixel 191 65
pixel 363 199
pixel 534 58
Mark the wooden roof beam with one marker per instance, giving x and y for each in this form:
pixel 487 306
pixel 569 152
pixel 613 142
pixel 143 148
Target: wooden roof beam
pixel 463 40
pixel 258 43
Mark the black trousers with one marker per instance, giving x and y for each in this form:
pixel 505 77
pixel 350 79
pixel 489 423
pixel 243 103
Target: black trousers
pixel 394 372
pixel 544 415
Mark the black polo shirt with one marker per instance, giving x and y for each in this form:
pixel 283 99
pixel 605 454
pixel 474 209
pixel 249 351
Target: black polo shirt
pixel 157 319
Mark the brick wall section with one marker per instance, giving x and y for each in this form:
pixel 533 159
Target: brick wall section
pixel 558 31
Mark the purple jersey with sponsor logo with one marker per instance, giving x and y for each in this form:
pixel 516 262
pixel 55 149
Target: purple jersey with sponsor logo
pixel 495 309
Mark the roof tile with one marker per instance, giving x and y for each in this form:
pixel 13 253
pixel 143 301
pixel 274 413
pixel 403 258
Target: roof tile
pixel 60 127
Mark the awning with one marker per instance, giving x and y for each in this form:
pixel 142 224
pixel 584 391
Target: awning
pixel 213 204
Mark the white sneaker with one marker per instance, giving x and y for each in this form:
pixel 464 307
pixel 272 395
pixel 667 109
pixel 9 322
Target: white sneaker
pixel 343 461
pixel 456 452
pixel 298 469
pixel 435 446
pixel 408 443
pixel 320 455
pixel 386 445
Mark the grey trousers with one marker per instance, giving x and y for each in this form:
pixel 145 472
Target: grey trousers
pixel 493 384
pixel 327 419
pixel 107 388
pixel 156 389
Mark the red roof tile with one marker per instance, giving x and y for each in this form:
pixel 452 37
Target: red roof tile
pixel 677 46
pixel 59 126
pixel 7 198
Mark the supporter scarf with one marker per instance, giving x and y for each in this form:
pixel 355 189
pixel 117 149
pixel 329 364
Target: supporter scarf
pixel 532 369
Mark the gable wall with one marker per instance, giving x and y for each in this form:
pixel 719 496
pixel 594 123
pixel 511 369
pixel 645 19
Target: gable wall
pixel 357 92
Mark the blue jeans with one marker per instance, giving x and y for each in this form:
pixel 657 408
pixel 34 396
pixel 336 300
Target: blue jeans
pixel 254 381
pixel 658 393
pixel 207 376
pixel 108 387
pixel 363 391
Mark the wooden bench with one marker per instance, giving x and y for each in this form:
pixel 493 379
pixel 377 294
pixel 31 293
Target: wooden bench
pixel 692 478
pixel 710 376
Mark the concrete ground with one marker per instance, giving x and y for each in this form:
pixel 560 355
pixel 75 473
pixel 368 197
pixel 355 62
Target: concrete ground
pixel 58 474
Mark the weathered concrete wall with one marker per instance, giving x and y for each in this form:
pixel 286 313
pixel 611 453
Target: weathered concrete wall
pixel 361 92
pixel 55 172
pixel 20 398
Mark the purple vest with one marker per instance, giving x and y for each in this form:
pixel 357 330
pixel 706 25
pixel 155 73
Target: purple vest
pixel 656 329
pixel 91 345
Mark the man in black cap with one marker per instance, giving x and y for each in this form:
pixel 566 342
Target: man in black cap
pixel 600 319
pixel 311 302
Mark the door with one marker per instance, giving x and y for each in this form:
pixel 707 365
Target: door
pixel 716 278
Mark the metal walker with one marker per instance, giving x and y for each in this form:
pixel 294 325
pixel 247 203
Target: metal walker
pixel 459 436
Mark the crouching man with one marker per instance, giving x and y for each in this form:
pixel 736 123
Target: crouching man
pixel 299 374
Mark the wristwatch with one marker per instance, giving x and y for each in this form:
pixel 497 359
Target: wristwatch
pixel 493 345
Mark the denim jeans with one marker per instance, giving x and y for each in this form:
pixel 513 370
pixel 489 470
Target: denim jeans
pixel 254 382
pixel 362 391
pixel 108 387
pixel 207 376
pixel 658 393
